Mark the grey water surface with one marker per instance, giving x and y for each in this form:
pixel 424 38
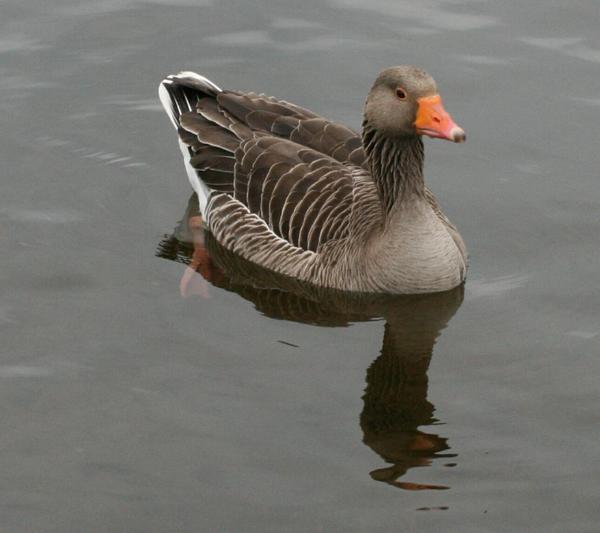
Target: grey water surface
pixel 125 406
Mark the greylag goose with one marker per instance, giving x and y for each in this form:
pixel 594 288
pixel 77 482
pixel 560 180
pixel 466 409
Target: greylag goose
pixel 312 199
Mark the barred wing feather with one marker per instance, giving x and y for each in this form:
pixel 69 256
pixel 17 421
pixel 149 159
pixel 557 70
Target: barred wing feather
pixel 282 163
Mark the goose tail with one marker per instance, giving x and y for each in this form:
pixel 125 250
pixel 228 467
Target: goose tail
pixel 179 93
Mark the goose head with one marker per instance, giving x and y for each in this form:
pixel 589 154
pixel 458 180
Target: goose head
pixel 404 102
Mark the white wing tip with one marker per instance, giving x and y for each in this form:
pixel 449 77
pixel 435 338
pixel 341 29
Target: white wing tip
pixel 197 77
pixel 188 74
pixel 165 100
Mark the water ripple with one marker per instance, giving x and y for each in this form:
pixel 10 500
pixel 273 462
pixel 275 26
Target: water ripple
pixel 432 13
pixel 19 43
pixel 111 6
pixel 52 216
pixel 19 371
pixel 479 288
pixel 569 46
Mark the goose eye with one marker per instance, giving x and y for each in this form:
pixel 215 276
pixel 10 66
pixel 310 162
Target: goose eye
pixel 401 93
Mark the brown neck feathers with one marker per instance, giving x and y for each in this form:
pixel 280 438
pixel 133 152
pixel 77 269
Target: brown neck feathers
pixel 396 166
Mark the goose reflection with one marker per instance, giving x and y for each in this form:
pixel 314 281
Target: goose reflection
pixel 395 397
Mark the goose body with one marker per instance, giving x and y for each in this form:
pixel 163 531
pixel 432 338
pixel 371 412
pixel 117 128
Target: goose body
pixel 311 199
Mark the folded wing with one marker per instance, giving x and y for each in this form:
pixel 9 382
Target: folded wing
pixel 289 167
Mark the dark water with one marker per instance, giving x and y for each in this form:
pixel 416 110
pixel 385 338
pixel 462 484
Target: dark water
pixel 127 407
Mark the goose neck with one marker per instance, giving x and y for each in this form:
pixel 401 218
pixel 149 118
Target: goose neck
pixel 396 165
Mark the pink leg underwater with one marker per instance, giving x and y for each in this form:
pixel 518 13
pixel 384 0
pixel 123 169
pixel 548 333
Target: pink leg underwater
pixel 201 270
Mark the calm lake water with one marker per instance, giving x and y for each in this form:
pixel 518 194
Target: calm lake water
pixel 126 406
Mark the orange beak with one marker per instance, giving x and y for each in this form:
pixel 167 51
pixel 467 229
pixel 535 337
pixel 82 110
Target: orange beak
pixel 434 121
